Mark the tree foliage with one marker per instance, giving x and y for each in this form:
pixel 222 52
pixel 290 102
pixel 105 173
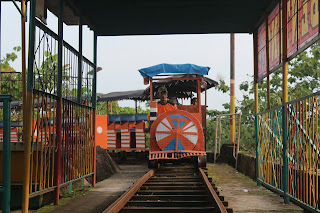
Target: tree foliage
pixel 116 109
pixel 11 81
pixel 46 76
pixel 10 57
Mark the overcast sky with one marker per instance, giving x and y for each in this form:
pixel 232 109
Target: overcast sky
pixel 122 56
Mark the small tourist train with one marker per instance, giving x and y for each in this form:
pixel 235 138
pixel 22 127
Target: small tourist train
pixel 174 134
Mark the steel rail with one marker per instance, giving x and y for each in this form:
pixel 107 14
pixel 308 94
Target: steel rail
pixel 220 205
pixel 129 200
pixel 123 199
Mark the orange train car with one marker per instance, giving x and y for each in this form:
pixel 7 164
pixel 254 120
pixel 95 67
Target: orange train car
pixel 121 132
pixel 177 133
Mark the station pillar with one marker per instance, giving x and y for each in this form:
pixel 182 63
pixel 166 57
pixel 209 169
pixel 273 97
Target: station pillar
pixel 232 90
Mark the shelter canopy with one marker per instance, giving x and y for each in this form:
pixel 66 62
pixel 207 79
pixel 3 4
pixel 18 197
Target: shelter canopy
pixel 176 88
pixel 145 17
pixel 174 69
pixel 180 88
pixel 123 95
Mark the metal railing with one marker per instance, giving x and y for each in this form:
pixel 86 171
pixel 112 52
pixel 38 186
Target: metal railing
pixel 5 189
pixel 87 81
pixel 77 141
pixel 270 147
pixel 288 150
pixel 75 159
pixel 236 118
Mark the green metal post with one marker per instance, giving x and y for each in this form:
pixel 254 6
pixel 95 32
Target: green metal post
pixel 94 86
pixel 256 101
pixel 284 101
pixel 6 161
pixel 257 153
pixel 28 108
pixel 0 30
pixel 82 183
pixel 70 188
pixel 94 105
pixel 284 155
pixel 32 36
pixel 57 172
pixel 79 90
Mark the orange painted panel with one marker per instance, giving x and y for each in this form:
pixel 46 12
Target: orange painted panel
pixel 101 130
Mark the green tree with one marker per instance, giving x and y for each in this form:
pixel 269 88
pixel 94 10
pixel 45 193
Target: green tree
pixel 46 76
pixel 11 81
pixel 116 109
pixel 10 57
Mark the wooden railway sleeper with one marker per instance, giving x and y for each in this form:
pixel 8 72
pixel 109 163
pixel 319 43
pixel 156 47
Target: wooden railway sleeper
pixel 192 191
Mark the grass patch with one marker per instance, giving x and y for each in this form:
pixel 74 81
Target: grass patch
pixel 65 199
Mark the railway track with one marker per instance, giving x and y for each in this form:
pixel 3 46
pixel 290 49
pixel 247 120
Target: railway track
pixel 181 188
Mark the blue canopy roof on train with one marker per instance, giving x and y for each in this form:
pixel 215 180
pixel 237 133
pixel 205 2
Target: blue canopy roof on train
pixel 174 69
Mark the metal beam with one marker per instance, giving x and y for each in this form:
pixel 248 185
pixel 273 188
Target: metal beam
pixel 79 89
pixel 256 100
pixel 94 105
pixel 232 89
pixel 6 159
pixel 28 116
pixel 284 100
pixel 94 86
pixel 0 30
pixel 57 172
pixel 20 10
pixel 267 63
pixel 23 65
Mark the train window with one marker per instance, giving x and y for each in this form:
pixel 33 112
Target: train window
pixel 118 142
pixel 133 140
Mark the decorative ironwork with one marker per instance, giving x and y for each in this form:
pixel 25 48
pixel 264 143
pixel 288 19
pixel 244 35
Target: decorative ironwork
pixel 223 121
pixel 87 82
pixel 302 151
pixel 43 150
pixel 77 140
pixel 270 147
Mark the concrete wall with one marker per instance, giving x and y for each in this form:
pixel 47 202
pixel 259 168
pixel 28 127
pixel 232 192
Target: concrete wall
pixel 105 165
pixel 130 157
pixel 246 162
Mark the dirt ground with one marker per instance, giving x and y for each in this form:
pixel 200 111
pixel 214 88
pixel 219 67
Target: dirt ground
pixel 244 195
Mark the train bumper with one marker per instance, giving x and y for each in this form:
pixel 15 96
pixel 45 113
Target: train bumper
pixel 174 154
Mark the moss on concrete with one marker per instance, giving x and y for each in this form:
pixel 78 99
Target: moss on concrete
pixel 243 194
pixel 220 173
pixel 66 198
